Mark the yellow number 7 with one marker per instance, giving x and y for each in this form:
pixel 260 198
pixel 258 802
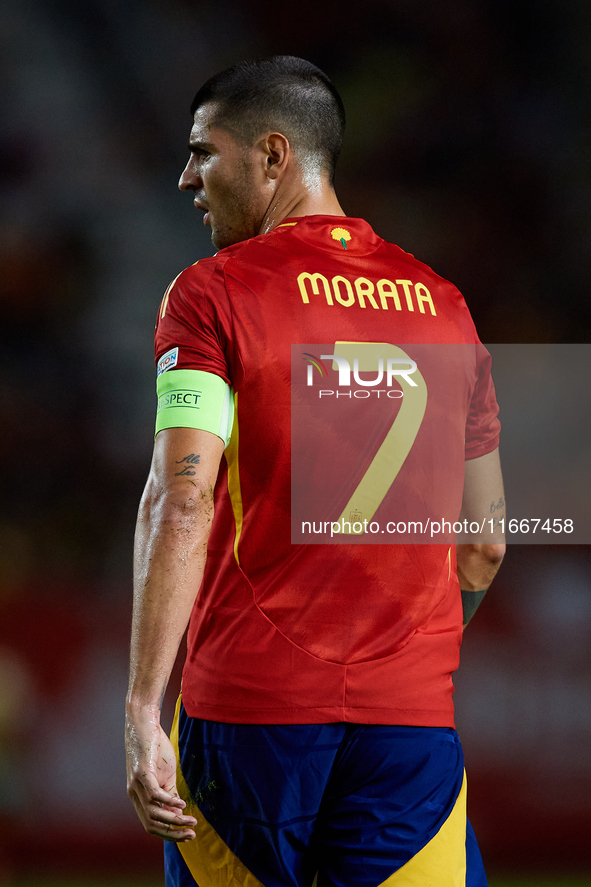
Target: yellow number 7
pixel 397 444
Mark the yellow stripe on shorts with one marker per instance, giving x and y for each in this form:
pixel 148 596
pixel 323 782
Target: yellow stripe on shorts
pixel 208 858
pixel 443 860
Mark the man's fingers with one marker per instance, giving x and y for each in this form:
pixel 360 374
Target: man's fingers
pixel 171 825
pixel 177 836
pixel 169 832
pixel 160 796
pixel 158 814
pixel 147 788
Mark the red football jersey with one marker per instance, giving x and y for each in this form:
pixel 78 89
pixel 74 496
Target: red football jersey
pixel 288 632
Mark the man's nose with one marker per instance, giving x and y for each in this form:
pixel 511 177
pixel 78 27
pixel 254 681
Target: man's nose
pixel 190 180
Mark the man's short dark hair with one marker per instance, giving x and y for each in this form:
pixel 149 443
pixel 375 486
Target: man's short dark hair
pixel 282 94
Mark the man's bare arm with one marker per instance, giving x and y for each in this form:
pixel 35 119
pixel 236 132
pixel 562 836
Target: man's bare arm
pixel 172 530
pixel 484 499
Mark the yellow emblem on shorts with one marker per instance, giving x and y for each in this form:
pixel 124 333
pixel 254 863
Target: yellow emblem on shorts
pixel 341 234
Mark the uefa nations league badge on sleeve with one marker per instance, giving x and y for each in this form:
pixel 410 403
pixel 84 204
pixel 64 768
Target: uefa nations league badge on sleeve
pixel 167 361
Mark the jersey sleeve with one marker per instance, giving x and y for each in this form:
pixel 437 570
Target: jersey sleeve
pixel 482 427
pixel 193 324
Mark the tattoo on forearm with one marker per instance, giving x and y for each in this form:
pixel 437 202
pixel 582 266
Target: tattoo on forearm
pixel 191 459
pixel 495 506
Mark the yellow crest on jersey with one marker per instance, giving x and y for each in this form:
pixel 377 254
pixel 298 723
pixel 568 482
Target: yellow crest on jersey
pixel 342 235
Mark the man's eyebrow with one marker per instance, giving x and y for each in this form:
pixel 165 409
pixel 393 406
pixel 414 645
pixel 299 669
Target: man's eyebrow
pixel 194 147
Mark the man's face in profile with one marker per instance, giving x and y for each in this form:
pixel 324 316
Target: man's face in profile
pixel 227 179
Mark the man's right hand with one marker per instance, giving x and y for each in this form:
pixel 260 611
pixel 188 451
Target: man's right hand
pixel 151 779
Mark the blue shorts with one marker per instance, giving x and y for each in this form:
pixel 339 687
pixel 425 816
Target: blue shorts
pixel 349 804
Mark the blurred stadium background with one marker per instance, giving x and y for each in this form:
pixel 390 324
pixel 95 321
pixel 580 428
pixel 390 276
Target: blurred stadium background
pixel 469 128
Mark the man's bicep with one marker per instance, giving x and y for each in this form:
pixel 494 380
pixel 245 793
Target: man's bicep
pixel 189 398
pixel 185 458
pixel 484 497
pixel 193 425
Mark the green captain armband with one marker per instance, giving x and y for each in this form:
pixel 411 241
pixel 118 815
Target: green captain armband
pixel 195 399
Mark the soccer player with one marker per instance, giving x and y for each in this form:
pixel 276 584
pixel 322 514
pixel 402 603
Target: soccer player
pixel 314 737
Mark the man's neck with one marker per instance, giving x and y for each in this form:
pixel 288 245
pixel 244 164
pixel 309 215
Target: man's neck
pixel 305 201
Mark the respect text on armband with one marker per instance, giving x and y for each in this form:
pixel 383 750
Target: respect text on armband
pixel 179 398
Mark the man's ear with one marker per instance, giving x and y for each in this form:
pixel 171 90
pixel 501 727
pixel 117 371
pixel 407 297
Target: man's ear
pixel 276 152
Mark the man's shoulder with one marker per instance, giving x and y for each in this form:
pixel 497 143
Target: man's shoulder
pixel 204 267
pixel 215 266
pixel 200 277
pixel 199 287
